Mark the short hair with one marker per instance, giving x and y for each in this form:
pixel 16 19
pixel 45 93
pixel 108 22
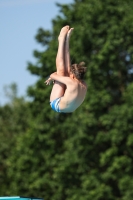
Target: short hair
pixel 78 70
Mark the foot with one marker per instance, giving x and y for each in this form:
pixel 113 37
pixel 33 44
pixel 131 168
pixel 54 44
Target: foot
pixel 69 33
pixel 63 32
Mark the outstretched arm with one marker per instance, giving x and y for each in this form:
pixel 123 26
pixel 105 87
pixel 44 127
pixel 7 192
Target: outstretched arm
pixel 62 79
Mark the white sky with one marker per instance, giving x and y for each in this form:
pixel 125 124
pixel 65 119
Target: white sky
pixel 19 22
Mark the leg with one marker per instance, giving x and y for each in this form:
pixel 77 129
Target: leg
pixel 60 58
pixel 59 88
pixel 67 53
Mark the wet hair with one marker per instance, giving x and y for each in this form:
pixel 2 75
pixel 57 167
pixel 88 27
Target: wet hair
pixel 78 70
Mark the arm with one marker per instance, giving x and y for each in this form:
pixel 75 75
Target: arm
pixel 62 79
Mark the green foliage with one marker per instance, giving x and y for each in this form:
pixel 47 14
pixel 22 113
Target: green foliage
pixel 87 154
pixel 14 121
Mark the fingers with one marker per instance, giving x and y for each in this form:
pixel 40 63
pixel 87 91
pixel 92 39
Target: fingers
pixel 48 81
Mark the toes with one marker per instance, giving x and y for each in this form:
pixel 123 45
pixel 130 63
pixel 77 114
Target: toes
pixel 67 27
pixel 70 31
pixel 63 31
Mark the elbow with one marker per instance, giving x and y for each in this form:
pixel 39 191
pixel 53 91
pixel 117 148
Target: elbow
pixel 52 75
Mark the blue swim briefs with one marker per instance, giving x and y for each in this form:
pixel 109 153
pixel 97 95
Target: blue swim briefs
pixel 55 104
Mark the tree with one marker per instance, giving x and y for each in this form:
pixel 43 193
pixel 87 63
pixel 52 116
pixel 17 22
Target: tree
pixel 87 154
pixel 14 120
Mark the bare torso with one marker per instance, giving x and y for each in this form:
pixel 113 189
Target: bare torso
pixel 73 97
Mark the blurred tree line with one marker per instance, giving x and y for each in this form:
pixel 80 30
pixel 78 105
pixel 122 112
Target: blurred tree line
pixel 87 154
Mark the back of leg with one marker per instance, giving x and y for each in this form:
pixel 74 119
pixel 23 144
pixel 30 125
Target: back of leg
pixel 60 58
pixel 67 52
pixel 58 90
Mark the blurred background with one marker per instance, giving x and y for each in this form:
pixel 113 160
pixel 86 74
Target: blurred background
pixel 19 21
pixel 84 155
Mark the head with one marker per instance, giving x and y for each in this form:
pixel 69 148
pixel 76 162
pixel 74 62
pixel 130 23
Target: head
pixel 78 70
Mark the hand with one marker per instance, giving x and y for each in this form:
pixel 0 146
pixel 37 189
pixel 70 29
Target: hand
pixel 48 81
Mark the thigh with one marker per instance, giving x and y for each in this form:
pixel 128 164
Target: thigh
pixel 58 90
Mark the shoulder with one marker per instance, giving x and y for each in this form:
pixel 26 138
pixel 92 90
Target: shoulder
pixel 85 84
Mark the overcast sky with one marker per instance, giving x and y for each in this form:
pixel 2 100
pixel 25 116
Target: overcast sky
pixel 19 22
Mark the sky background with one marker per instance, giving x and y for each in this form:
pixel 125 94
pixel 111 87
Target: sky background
pixel 19 22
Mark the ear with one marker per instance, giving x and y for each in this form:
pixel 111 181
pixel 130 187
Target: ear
pixel 72 75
